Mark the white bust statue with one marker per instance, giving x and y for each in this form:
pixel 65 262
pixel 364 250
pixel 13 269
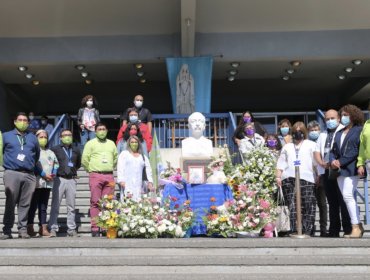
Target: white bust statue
pixel 196 145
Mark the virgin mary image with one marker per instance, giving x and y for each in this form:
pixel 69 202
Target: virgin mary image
pixel 185 99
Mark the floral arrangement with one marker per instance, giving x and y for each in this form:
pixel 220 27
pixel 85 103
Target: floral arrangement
pixel 222 162
pixel 171 175
pixel 253 208
pixel 177 221
pixel 145 218
pixel 109 215
pixel 218 221
pixel 258 172
pixel 137 217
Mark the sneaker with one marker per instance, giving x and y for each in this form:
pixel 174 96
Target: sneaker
pixel 24 235
pixel 53 233
pixel 95 234
pixel 5 236
pixel 72 233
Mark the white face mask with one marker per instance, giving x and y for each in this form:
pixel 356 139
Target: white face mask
pixel 89 103
pixel 43 122
pixel 138 104
pixel 31 117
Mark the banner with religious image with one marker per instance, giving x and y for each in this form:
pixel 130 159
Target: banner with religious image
pixel 190 82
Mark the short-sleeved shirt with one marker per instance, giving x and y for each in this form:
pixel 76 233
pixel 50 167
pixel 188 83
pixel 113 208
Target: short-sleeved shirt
pixel 144 115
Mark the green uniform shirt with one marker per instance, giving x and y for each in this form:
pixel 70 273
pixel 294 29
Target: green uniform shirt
pixel 364 152
pixel 99 156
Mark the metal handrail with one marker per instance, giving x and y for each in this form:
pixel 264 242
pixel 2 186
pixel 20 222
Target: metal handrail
pixel 365 199
pixel 57 128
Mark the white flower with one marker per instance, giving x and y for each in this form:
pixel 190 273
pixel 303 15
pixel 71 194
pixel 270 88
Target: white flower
pixel 142 230
pixel 178 231
pixel 151 230
pixel 161 228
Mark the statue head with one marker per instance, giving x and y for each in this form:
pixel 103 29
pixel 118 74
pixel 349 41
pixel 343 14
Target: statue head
pixel 197 124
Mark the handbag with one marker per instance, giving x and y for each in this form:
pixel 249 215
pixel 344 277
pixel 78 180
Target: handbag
pixel 283 219
pixel 333 173
pixel 144 178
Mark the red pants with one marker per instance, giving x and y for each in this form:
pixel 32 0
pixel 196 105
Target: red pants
pixel 100 185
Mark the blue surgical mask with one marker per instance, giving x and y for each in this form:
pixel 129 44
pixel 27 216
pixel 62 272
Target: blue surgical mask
pixel 313 135
pixel 284 130
pixel 133 119
pixel 345 120
pixel 331 124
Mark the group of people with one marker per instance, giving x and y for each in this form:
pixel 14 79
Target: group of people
pixel 33 170
pixel 331 161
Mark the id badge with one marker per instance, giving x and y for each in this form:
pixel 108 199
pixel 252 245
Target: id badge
pixel 70 164
pixel 297 162
pixel 21 157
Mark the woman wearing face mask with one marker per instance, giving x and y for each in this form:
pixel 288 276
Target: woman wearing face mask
pixel 133 116
pixel 247 117
pixel 343 157
pixel 314 130
pixel 298 153
pixel 284 131
pixel 131 130
pixel 44 184
pixel 251 139
pixel 273 144
pixel 130 166
pixel 87 118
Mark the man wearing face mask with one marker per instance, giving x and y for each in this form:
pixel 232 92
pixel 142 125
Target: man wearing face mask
pixel 338 213
pixel 69 158
pixel 99 158
pixel 144 115
pixel 21 154
pixel 133 116
pixel 251 139
pixel 34 124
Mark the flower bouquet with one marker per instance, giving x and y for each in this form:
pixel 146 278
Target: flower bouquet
pixel 173 176
pixel 109 215
pixel 176 222
pixel 137 217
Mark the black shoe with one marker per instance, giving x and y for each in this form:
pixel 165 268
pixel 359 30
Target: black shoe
pixel 333 235
pixel 324 234
pixel 24 235
pixel 6 236
pixel 95 234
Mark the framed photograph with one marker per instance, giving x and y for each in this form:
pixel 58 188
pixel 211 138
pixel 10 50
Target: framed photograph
pixel 196 174
pixel 186 162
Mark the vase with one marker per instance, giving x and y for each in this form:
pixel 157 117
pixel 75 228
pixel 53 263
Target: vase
pixel 112 233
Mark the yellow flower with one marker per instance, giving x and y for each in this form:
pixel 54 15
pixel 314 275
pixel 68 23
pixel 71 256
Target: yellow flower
pixel 231 182
pixel 223 220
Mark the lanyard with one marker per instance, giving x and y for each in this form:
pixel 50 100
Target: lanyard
pixel 297 150
pixel 21 141
pixel 68 154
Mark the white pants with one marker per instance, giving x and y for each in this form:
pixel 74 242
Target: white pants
pixel 347 186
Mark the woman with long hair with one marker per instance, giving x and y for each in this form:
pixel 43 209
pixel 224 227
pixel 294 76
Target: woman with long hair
pixel 87 118
pixel 133 170
pixel 343 157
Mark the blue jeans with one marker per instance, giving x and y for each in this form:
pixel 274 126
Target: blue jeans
pixel 86 135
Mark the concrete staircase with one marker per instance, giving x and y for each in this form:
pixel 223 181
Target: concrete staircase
pixel 82 206
pixel 195 258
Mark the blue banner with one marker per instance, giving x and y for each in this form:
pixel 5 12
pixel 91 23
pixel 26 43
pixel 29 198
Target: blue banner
pixel 190 82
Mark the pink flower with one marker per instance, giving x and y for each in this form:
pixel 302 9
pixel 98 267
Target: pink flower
pixel 264 204
pixel 264 215
pixel 269 227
